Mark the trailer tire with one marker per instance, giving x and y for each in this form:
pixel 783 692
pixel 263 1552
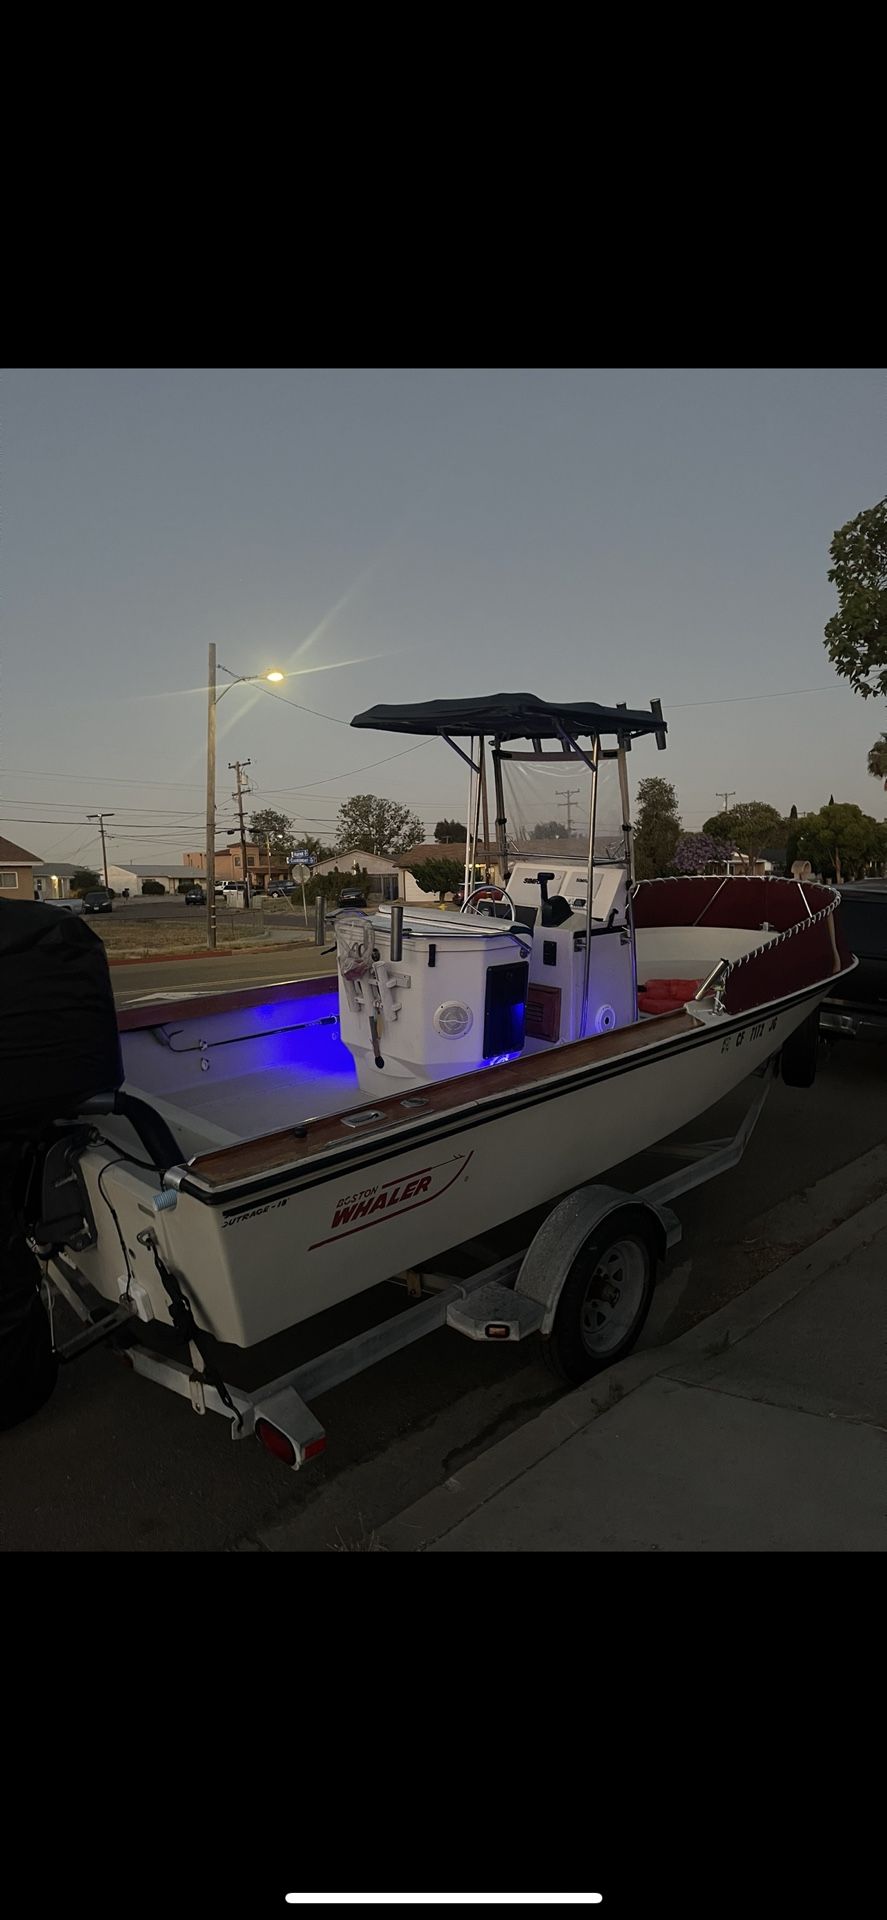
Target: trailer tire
pixel 799 1057
pixel 595 1329
pixel 28 1363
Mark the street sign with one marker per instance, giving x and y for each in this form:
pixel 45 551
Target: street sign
pixel 301 858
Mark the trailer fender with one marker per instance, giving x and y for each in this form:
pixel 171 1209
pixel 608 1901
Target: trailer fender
pixel 563 1233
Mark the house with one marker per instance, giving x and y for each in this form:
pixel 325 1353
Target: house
pixel 229 863
pixel 383 872
pixel 52 878
pixel 138 871
pixel 16 871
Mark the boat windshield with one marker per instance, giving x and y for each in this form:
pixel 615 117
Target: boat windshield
pixel 548 810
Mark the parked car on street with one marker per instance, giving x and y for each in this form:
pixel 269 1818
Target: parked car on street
pixel 281 889
pixel 98 900
pixel 195 897
pixel 858 1006
pixel 352 897
pixel 66 906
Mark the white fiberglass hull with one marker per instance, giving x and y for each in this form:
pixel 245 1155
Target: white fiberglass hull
pixel 260 1258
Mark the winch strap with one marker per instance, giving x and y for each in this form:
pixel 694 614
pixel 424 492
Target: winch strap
pixel 182 1317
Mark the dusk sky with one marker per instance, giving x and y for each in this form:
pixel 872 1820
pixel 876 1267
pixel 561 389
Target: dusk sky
pixel 609 535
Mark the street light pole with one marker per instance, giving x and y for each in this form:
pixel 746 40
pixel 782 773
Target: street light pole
pixel 101 818
pixel 213 698
pixel 211 802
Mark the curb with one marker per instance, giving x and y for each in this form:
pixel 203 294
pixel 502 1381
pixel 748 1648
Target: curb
pixel 198 953
pixel 438 1512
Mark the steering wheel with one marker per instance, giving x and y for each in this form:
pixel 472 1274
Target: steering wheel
pixel 489 886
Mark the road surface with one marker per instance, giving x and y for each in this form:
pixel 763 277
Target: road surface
pixel 174 979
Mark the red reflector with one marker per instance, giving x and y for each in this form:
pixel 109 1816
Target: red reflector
pixel 314 1447
pixel 496 1331
pixel 276 1442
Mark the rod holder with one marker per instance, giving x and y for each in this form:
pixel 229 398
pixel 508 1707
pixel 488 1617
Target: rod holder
pixel 319 919
pixel 396 930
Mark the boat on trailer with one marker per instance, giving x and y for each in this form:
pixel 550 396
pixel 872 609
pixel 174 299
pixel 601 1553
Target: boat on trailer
pixel 274 1152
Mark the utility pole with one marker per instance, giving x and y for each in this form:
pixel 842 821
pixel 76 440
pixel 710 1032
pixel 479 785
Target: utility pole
pixel 726 797
pixel 101 818
pixel 565 799
pixel 236 767
pixel 211 802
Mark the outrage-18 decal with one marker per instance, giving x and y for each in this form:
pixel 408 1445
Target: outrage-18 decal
pixel 388 1199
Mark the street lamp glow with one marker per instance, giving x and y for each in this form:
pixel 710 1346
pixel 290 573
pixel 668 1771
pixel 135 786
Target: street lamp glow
pixel 275 675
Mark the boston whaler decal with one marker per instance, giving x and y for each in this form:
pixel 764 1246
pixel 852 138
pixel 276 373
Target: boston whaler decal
pixel 369 1206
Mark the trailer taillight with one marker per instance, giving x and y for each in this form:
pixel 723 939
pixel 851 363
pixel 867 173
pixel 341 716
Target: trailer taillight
pixel 276 1442
pixel 285 1449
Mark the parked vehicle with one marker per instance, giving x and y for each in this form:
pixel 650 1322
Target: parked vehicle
pixel 67 906
pixel 858 1004
pixel 479 893
pixel 195 897
pixel 352 897
pixel 98 900
pixel 282 889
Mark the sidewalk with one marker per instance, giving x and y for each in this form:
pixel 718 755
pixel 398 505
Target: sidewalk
pixel 763 1429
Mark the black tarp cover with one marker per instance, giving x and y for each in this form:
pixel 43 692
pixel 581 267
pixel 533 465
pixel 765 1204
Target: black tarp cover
pixel 510 716
pixel 58 1026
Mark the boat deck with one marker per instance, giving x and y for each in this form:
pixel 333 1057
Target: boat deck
pixel 290 1148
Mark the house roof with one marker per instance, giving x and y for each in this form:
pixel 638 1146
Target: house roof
pixel 16 856
pixel 443 850
pixel 163 869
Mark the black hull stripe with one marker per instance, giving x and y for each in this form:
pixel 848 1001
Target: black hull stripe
pixel 332 1165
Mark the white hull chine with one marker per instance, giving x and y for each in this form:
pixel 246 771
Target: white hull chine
pixel 263 1257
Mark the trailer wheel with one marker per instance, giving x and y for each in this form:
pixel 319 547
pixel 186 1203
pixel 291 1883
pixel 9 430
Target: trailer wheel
pixel 605 1298
pixel 28 1363
pixel 798 1060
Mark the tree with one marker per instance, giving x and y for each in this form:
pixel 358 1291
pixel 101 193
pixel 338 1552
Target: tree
pixel 658 828
pixel 452 831
pixel 793 812
pixel 376 826
pixel 83 880
pixel 750 827
pixel 698 852
pixel 856 636
pixel 841 839
pixel 552 830
pixel 438 876
pixel 877 759
pixel 831 799
pixel 153 886
pixel 270 827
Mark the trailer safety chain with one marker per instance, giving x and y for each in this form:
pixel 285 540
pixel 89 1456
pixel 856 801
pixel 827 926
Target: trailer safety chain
pixel 182 1317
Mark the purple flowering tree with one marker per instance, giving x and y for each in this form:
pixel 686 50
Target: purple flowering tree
pixel 699 853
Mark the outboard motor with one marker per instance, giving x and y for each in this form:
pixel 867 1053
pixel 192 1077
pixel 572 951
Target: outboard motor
pixel 59 1046
pixel 59 1042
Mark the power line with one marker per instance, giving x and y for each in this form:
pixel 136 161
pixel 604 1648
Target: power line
pixel 734 699
pixel 350 775
pixel 314 711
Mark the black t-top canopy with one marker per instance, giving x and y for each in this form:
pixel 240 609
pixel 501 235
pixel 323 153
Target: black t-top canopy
pixel 512 716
